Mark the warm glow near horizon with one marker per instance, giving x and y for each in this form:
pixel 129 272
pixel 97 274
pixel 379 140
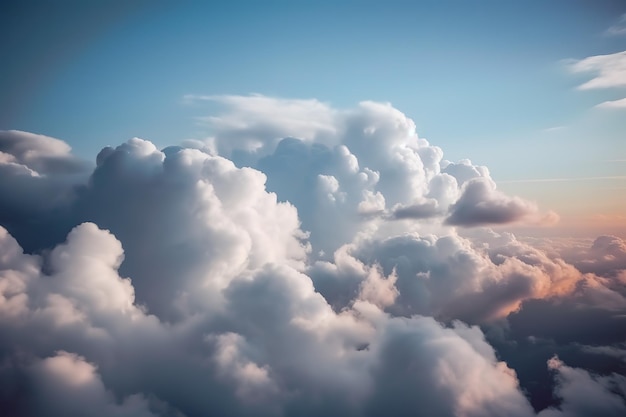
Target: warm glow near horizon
pixel 290 208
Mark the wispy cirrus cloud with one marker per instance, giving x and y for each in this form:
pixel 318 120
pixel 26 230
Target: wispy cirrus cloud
pixel 618 29
pixel 554 129
pixel 571 179
pixel 613 104
pixel 609 70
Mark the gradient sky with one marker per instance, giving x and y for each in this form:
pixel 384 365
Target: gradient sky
pixel 492 83
pixel 223 209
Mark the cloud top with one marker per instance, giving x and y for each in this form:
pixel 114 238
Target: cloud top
pixel 324 272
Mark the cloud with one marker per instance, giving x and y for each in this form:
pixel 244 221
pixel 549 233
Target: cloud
pixel 253 348
pixel 602 178
pixel 609 70
pixel 38 154
pixel 37 178
pixel 65 384
pixel 378 166
pixel 615 352
pixel 480 204
pixel 583 394
pixel 604 256
pixel 618 29
pixel 316 274
pixel 554 129
pixel 425 210
pixel 450 277
pixel 614 104
pixel 257 123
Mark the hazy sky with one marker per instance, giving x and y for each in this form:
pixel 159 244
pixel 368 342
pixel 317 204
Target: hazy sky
pixel 313 208
pixel 494 83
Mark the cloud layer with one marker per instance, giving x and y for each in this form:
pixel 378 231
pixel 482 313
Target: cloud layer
pixel 301 261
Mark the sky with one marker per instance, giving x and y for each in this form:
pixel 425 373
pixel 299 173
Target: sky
pixel 492 83
pixel 298 208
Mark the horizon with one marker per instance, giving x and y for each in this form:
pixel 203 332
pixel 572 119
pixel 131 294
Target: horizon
pixel 293 208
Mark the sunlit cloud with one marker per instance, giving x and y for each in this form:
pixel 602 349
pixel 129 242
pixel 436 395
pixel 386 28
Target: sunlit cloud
pixel 326 274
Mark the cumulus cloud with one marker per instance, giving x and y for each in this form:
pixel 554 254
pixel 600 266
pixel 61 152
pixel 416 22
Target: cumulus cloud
pixel 302 261
pixel 254 348
pixel 65 384
pixel 584 394
pixel 37 154
pixel 364 166
pixel 480 204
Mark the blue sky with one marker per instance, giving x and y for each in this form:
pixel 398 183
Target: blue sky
pixel 267 235
pixel 485 80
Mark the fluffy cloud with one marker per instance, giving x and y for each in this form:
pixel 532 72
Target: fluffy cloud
pixel 303 261
pixel 255 347
pixel 481 204
pixel 584 394
pixel 65 384
pixel 364 166
pixel 37 154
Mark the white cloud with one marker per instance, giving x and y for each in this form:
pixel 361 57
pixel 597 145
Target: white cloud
pixel 257 123
pixel 167 275
pixel 609 70
pixel 614 104
pixel 255 346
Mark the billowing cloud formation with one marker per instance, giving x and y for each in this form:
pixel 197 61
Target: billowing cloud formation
pixel 322 278
pixel 359 165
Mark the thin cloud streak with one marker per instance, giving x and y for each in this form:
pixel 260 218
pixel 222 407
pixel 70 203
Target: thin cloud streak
pixel 618 29
pixel 554 129
pixel 613 177
pixel 612 104
pixel 609 70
